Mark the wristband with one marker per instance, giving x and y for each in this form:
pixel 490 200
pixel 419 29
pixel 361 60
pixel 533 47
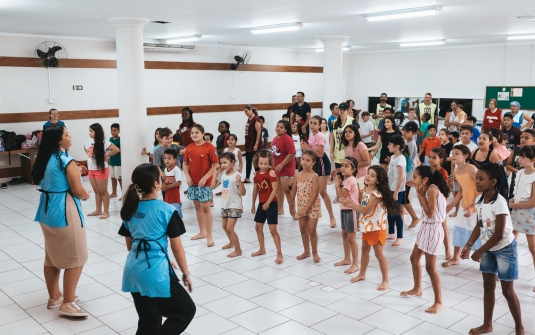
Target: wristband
pixel 468 242
pixel 186 275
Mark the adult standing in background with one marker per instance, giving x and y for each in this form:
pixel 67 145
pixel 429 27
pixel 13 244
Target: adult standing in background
pixel 354 112
pixel 185 126
pixel 303 109
pixel 428 107
pixel 455 118
pixel 294 100
pixel 377 114
pixel 61 218
pixel 520 119
pixel 492 118
pixel 53 119
pixel 253 130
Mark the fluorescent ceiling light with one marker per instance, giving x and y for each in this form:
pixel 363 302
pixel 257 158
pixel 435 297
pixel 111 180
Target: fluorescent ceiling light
pixel 521 37
pixel 421 44
pixel 191 38
pixel 402 13
pixel 344 48
pixel 276 28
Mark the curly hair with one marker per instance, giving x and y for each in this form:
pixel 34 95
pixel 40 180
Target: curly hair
pixel 390 204
pixel 49 146
pixel 435 177
pixel 263 153
pixel 98 146
pixel 496 171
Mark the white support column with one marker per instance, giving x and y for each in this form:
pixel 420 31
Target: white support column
pixel 131 92
pixel 333 77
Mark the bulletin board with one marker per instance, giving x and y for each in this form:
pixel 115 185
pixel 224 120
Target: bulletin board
pixel 525 95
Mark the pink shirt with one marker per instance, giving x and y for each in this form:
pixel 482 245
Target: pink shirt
pixel 315 140
pixel 355 152
pixel 350 184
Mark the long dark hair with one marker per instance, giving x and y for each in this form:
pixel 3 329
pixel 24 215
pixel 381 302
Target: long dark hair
pixel 98 145
pixel 287 126
pixel 390 204
pixel 52 135
pixel 143 179
pixel 156 142
pixel 496 171
pixel 496 133
pixel 299 131
pixel 399 141
pixel 338 123
pixel 190 122
pixel 395 127
pixel 435 178
pixel 356 140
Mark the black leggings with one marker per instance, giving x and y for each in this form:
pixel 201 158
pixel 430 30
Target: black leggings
pixel 249 163
pixel 179 311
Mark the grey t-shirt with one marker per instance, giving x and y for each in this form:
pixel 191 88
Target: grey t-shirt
pixel 393 176
pixel 413 154
pixel 159 155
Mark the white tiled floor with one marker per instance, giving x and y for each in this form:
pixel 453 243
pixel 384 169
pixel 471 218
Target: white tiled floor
pixel 244 295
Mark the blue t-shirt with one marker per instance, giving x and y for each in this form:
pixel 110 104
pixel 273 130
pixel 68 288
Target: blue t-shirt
pixel 55 186
pixel 330 122
pixel 147 269
pixel 475 135
pixel 48 124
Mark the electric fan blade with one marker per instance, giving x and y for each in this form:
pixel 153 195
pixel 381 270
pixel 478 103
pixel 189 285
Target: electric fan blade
pixel 51 62
pixel 41 54
pixel 53 50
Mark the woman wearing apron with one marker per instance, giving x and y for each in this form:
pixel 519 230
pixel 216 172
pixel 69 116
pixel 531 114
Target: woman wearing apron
pixel 61 219
pixel 148 271
pixel 520 120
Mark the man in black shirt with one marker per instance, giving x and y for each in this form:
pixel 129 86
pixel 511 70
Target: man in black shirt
pixel 302 108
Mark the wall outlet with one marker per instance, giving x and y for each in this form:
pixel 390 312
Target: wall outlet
pixel 50 100
pixel 233 96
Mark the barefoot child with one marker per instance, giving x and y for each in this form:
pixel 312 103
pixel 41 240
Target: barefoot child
pixel 432 190
pixel 436 158
pixel 98 151
pixel 231 203
pixel 409 134
pixel 297 137
pixel 523 203
pixel 115 161
pixel 348 189
pixel 265 187
pixel 465 175
pixel 498 256
pixel 396 179
pixel 306 186
pixel 173 180
pixel 200 162
pixel 232 140
pixel 376 201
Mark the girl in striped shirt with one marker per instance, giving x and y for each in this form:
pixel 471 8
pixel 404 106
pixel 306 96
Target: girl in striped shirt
pixel 432 191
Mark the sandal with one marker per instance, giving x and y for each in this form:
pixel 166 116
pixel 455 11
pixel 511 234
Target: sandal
pixel 4 186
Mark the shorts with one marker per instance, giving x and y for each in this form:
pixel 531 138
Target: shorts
pixel 178 207
pixel 349 220
pixel 298 153
pixel 374 237
pixel 426 160
pixel 323 166
pixel 503 262
pixel 115 172
pixel 233 213
pixel 200 193
pixel 271 215
pixel 99 174
pixel 523 220
pixel 456 187
pixel 405 200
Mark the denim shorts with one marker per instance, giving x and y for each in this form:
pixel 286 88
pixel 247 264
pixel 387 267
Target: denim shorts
pixel 200 193
pixel 178 207
pixel 503 262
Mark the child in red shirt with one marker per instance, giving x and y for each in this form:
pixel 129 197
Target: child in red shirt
pixel 430 142
pixel 265 187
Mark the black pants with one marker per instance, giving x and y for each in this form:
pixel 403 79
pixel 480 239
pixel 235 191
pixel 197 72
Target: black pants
pixel 249 163
pixel 179 311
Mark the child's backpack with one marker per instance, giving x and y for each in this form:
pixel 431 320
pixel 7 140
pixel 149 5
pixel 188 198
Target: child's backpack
pixel 10 142
pixel 2 149
pixel 39 135
pixel 30 143
pixel 20 139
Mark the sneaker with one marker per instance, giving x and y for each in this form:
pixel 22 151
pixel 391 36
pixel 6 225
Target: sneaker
pixel 335 201
pixel 72 309
pixel 56 303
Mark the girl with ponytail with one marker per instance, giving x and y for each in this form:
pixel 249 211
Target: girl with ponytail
pixel 432 191
pixel 148 224
pixel 498 256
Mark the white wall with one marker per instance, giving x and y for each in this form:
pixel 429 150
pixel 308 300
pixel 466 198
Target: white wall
pixel 447 73
pixel 26 89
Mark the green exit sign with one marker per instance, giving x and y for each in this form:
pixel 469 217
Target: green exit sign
pixel 77 87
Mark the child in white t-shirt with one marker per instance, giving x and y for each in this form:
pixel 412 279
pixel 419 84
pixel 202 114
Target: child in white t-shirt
pixel 366 129
pixel 397 168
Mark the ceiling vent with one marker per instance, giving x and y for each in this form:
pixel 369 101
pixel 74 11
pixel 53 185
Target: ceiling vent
pixel 167 47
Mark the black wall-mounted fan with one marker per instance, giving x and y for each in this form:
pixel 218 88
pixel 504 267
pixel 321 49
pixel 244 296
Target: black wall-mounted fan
pixel 241 61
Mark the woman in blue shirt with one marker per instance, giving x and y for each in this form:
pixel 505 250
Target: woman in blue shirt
pixel 148 271
pixel 61 218
pixel 53 116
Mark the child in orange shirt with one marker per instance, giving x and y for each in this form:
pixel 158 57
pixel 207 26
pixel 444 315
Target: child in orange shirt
pixel 430 142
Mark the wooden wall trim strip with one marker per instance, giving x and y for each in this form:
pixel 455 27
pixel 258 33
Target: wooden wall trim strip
pixel 151 111
pixel 159 65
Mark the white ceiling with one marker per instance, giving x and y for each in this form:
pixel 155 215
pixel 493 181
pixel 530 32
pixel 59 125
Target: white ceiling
pixel 462 23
